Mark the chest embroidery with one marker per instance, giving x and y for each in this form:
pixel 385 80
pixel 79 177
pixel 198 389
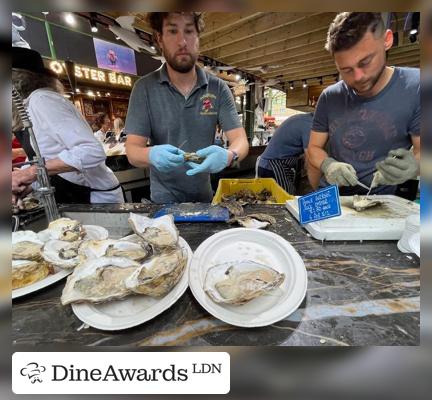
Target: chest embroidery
pixel 207 104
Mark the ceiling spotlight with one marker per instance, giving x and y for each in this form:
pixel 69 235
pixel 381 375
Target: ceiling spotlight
pixel 90 93
pixel 108 94
pixel 94 28
pixel 237 77
pixel 77 90
pixel 291 86
pixel 413 31
pixel 45 12
pixel 304 84
pixel 70 19
pixel 98 93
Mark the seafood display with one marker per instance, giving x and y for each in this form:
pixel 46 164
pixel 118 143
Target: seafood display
pixel 159 233
pixel 239 282
pixel 247 196
pixel 150 261
pixel 159 275
pixel 98 280
pixel 361 203
pixel 29 203
pixel 255 221
pixel 25 272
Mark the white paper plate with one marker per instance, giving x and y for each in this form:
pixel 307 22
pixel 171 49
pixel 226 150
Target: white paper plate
pixel 262 247
pixel 133 310
pixel 43 283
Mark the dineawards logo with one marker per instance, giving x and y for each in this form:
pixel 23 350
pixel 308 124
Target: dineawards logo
pixel 33 371
pixel 61 373
pixel 121 373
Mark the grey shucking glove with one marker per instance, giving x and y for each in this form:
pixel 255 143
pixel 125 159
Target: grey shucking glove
pixel 399 166
pixel 339 173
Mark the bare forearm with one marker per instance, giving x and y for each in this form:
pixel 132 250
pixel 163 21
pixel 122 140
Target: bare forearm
pixel 57 166
pixel 316 156
pixel 138 155
pixel 240 145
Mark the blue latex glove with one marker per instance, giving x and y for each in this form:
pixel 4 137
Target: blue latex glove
pixel 165 157
pixel 216 159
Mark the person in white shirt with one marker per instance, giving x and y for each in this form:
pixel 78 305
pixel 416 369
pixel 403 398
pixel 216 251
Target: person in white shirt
pixel 74 158
pixel 102 125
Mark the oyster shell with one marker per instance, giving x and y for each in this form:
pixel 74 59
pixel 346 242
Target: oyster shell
pixel 158 232
pixel 26 246
pixel 131 250
pixel 25 272
pixel 256 221
pixel 66 229
pixel 193 157
pixel 240 281
pixel 92 249
pixel 62 254
pixel 159 275
pixel 361 203
pixel 98 280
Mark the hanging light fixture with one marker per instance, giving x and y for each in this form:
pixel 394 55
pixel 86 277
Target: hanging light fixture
pixel 304 83
pixel 291 86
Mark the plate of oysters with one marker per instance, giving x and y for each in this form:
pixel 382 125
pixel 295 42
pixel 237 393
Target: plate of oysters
pixel 41 259
pixel 123 283
pixel 248 277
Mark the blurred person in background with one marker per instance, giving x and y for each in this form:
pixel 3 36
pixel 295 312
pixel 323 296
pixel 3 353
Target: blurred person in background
pixel 74 159
pixel 118 125
pixel 179 105
pixel 101 125
pixel 282 158
pixel 371 118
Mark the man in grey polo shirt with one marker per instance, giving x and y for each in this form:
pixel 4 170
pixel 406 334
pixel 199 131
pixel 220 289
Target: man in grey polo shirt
pixel 179 105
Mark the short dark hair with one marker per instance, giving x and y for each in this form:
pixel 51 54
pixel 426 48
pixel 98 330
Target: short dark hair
pixel 348 28
pixel 155 19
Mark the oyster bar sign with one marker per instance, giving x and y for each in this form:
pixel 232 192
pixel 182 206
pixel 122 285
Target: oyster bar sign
pixel 93 74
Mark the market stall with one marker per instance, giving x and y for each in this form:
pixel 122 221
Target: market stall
pixel 358 293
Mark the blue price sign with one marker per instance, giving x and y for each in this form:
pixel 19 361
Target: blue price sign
pixel 319 205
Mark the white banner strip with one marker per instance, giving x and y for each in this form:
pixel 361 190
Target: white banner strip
pixel 120 373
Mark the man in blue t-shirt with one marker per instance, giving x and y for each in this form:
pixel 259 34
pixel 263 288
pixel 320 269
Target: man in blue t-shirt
pixel 281 158
pixel 371 118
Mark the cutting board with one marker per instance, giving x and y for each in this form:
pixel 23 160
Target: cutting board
pixel 195 212
pixel 384 222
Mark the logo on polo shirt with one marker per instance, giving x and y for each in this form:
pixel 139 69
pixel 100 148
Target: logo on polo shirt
pixel 208 104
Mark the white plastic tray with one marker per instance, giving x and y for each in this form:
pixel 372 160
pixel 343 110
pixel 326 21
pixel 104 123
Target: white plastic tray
pixel 385 222
pixel 262 247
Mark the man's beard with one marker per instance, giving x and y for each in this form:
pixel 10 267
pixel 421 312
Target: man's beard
pixel 373 81
pixel 182 67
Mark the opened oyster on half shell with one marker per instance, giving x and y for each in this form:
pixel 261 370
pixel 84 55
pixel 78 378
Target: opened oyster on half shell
pixel 361 203
pixel 66 229
pixel 239 282
pixel 160 274
pixel 26 272
pixel 160 233
pixel 114 248
pixel 62 254
pixel 99 280
pixel 26 246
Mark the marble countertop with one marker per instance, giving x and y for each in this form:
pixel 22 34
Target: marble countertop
pixel 359 293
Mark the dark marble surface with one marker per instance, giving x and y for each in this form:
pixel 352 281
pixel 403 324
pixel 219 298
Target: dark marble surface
pixel 359 293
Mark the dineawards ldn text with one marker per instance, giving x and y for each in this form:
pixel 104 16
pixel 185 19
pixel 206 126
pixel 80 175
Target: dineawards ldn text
pixel 112 374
